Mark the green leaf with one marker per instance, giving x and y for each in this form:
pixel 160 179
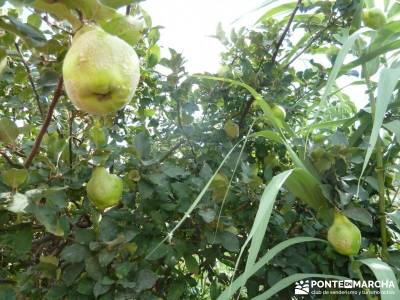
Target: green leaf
pixel 173 171
pixel 153 56
pixel 125 27
pixel 387 82
pixel 58 10
pixel 305 187
pixel 93 268
pixel 32 36
pixel 20 2
pixel 3 60
pixel 74 253
pixel 7 292
pixel 18 203
pixel 117 3
pixel 8 131
pixel 22 238
pixel 47 216
pixel 34 20
pixel 14 177
pixel 383 273
pixel 359 214
pixel 84 236
pixel 175 291
pixel 142 144
pixel 394 126
pixel 71 273
pixel 91 9
pixel 100 289
pixel 146 279
pixel 229 241
pixel 395 217
pixel 195 202
pixel 191 264
pixel 85 286
pixel 277 10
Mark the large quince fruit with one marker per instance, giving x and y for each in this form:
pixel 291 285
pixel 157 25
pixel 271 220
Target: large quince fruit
pixel 101 71
pixel 373 18
pixel 231 129
pixel 344 236
pixel 104 189
pixel 279 112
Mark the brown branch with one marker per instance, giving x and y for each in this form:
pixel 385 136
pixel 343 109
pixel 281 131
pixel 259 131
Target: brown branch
pixel 30 78
pixel 9 160
pixel 166 155
pixel 13 149
pixel 70 141
pixel 36 146
pixel 46 19
pixel 309 44
pixel 284 33
pixel 128 9
pixel 273 60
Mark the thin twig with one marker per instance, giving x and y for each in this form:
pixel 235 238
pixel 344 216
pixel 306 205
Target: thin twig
pixel 70 142
pixel 128 9
pixel 13 149
pixel 30 78
pixel 309 44
pixel 9 160
pixel 284 33
pixel 46 19
pixel 273 59
pixel 166 155
pixel 36 146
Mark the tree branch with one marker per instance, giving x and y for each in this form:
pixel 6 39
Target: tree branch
pixel 128 9
pixel 273 59
pixel 284 33
pixel 309 44
pixel 166 155
pixel 9 160
pixel 36 146
pixel 30 78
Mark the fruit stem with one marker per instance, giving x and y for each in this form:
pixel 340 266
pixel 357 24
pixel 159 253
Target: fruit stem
pixel 379 172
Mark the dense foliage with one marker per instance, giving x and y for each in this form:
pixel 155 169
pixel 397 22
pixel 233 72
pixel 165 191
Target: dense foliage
pixel 170 140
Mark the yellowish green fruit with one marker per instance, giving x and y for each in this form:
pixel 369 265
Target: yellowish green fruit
pixel 279 112
pixel 373 18
pixel 101 72
pixel 220 180
pixel 104 189
pixel 231 129
pixel 218 187
pixel 344 236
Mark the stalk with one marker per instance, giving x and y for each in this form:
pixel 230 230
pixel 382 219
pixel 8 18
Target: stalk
pixel 379 173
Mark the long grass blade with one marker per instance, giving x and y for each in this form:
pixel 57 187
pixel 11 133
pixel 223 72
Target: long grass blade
pixel 383 273
pixel 241 280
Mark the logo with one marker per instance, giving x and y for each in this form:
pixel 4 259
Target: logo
pixel 302 287
pixel 344 287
